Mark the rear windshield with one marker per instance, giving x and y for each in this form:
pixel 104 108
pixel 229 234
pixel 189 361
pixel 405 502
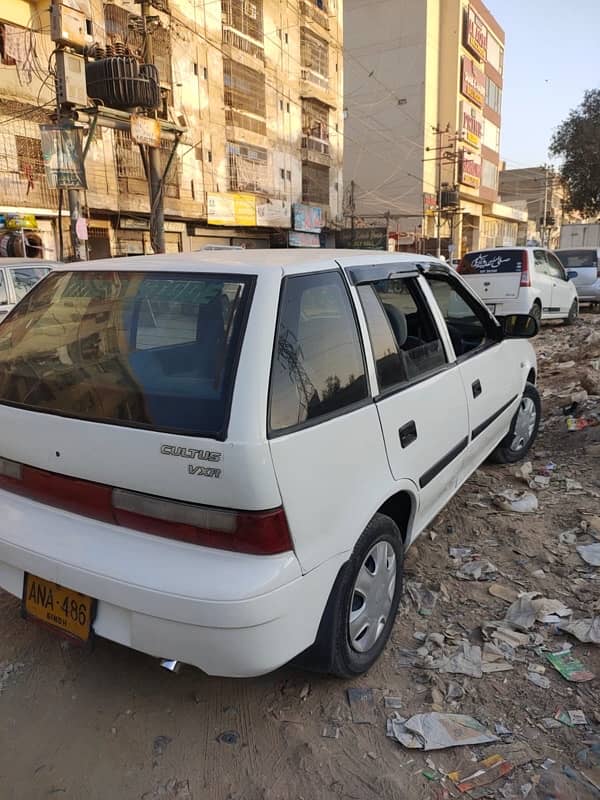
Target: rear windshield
pixel 486 262
pixel 573 259
pixel 149 349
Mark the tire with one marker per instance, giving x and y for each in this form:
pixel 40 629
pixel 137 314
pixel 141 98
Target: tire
pixel 573 313
pixel 334 651
pixel 506 452
pixel 536 311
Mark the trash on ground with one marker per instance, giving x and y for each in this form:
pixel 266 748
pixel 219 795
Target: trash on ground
pixel 569 667
pixel 590 553
pixel 476 571
pixel 571 485
pixel 571 717
pixel 423 598
pixel 482 774
pixel 435 731
pixel 160 744
pixel 580 423
pixel 463 660
pixel 500 633
pixel 228 737
pixel 549 723
pixel 522 502
pixel 531 607
pixel 305 691
pixel 524 471
pixel 330 732
pixel 454 691
pixel 543 481
pixel 392 702
pixel 567 537
pixel 362 705
pixel 459 552
pixel 547 763
pixel 503 592
pixel 586 630
pixel 494 659
pixel 538 680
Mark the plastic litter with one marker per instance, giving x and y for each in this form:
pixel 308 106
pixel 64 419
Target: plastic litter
pixel 522 502
pixel 476 571
pixel 538 680
pixel 548 763
pixel 423 598
pixel 392 702
pixel 459 552
pixel 580 423
pixel 330 732
pixel 435 731
pixel 569 667
pixel 571 717
pixel 590 553
pixel 571 485
pixel 362 705
pixel 531 607
pixel 586 630
pixel 482 774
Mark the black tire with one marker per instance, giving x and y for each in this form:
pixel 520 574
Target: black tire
pixel 536 311
pixel 573 313
pixel 504 453
pixel 332 651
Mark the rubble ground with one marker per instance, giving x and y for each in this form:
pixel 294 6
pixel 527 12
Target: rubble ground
pixel 112 724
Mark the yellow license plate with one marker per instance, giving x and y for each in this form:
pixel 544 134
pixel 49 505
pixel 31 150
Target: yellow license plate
pixel 62 609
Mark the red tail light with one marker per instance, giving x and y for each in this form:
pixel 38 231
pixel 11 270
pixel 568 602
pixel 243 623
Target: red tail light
pixel 525 274
pixel 254 532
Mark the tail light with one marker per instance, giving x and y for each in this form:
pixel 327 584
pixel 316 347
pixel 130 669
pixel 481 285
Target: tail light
pixel 462 267
pixel 254 532
pixel 525 274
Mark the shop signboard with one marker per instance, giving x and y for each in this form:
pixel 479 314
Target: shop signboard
pixel 473 82
pixel 362 238
pixel 308 218
pixel 470 170
pixel 303 239
pixel 475 34
pixel 231 209
pixel 274 214
pixel 145 130
pixel 471 124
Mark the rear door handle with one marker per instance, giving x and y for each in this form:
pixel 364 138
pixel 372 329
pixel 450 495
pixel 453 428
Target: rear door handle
pixel 476 387
pixel 407 433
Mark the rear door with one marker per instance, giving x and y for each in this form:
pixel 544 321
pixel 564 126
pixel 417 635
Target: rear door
pixel 584 263
pixel 5 300
pixel 421 400
pixel 494 275
pixel 542 280
pixel 562 289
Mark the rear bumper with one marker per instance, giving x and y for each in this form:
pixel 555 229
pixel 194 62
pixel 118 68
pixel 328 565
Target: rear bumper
pixel 226 613
pixel 589 293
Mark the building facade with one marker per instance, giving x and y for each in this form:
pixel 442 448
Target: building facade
pixel 423 101
pixel 255 86
pixel 542 194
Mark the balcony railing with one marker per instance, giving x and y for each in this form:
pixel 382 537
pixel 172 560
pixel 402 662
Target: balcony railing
pixel 316 145
pixel 314 77
pixel 243 42
pixel 317 11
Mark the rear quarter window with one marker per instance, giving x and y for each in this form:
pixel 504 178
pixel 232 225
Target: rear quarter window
pixel 492 262
pixel 144 349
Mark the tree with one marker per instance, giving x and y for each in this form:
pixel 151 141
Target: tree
pixel 577 142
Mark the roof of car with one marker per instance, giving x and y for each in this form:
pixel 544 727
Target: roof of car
pixel 288 261
pixel 17 261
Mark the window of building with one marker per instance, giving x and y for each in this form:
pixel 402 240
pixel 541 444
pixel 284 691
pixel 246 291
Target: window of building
pixel 248 168
pixel 282 174
pixel 489 175
pixel 209 156
pixel 245 16
pixel 315 58
pixel 29 157
pixel 244 94
pixel 315 183
pixel 205 73
pixel 491 135
pixel 315 126
pixel 318 366
pixel 288 174
pixel 493 95
pixel 281 105
pixel 405 341
pixel 495 53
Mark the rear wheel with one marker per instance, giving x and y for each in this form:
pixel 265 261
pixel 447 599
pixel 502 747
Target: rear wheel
pixel 363 603
pixel 523 429
pixel 573 313
pixel 536 311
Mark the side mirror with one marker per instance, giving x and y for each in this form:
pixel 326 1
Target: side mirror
pixel 571 274
pixel 520 326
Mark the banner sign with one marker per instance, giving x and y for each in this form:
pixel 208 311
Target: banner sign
pixel 308 218
pixel 63 157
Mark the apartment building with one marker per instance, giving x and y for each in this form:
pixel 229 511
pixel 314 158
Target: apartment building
pixel 423 104
pixel 542 194
pixel 251 118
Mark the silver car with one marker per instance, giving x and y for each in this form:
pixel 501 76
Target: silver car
pixel 583 264
pixel 17 277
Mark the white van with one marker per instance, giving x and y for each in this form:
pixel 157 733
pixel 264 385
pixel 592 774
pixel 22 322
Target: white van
pixel 521 280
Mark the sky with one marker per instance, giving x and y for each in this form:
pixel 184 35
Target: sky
pixel 551 58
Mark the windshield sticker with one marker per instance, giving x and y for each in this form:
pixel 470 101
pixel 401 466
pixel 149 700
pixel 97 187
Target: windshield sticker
pixel 485 262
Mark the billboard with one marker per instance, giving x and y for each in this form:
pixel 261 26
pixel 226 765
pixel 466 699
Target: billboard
pixel 475 34
pixel 63 157
pixel 301 239
pixel 471 124
pixel 274 214
pixel 472 82
pixel 308 218
pixel 470 170
pixel 230 208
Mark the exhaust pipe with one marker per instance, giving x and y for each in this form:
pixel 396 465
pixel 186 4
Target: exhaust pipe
pixel 171 665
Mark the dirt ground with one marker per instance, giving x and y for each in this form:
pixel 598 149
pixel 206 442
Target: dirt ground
pixel 112 724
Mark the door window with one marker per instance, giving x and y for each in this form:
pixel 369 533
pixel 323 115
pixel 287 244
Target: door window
pixel 555 268
pixel 468 323
pixel 318 366
pixel 3 295
pixel 405 341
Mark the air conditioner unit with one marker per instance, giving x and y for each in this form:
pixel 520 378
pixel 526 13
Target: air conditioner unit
pixel 70 80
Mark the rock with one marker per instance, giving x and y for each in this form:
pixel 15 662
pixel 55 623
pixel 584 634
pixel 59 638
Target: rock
pixel 591 382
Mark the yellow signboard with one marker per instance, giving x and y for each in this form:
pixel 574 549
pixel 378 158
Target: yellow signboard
pixel 145 130
pixel 231 209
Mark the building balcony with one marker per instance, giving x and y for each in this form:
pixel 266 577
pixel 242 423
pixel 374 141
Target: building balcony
pixel 315 10
pixel 244 43
pixel 315 150
pixel 236 118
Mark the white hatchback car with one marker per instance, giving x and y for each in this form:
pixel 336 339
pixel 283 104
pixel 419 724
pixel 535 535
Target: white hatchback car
pixel 220 458
pixel 521 280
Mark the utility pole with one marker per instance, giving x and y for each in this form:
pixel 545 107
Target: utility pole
pixel 352 205
pixel 545 217
pixel 154 175
pixel 439 132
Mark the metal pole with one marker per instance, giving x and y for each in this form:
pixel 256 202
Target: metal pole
pixel 545 217
pixel 157 206
pixel 352 210
pixel 438 250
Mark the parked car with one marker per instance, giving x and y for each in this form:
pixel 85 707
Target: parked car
pixel 584 264
pixel 17 277
pixel 235 487
pixel 521 280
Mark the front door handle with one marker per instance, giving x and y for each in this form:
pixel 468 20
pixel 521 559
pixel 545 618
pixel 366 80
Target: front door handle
pixel 476 387
pixel 407 433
